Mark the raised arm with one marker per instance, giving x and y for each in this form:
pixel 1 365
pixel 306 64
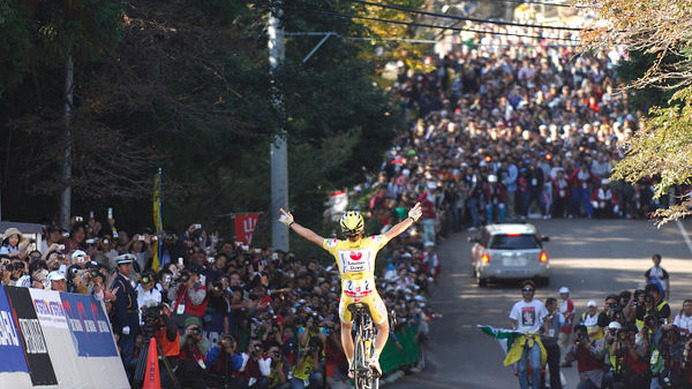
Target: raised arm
pixel 287 219
pixel 413 215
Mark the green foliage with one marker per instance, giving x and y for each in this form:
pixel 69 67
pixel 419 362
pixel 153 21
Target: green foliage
pixel 185 86
pixel 14 43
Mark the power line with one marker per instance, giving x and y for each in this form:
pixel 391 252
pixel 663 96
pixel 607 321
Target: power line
pixel 414 24
pixel 439 15
pixel 538 2
pixel 421 41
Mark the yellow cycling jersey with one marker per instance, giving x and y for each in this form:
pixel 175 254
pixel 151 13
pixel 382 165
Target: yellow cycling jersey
pixel 356 262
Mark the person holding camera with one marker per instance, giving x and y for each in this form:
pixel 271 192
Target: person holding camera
pixel 683 320
pixel 589 356
pixel 158 324
pixel 305 370
pixel 275 367
pixel 254 375
pixel 188 297
pixel 191 366
pixel 225 364
pixel 631 365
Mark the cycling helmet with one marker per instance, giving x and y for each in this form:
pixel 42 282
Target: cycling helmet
pixel 352 223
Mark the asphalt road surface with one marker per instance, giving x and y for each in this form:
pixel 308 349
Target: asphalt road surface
pixel 591 257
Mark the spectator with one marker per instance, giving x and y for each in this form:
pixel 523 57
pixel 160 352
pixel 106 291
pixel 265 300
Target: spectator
pixel 14 246
pixel 658 276
pixel 526 316
pixel 549 337
pixel 191 366
pixel 566 309
pixel 683 320
pixel 589 356
pixel 57 282
pixel 603 202
pixel 226 364
pixel 188 296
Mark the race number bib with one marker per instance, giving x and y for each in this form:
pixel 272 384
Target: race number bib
pixel 358 287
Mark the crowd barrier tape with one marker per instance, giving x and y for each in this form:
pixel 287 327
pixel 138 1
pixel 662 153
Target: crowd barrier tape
pixel 56 340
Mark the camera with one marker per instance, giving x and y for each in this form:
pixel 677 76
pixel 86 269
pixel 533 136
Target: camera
pixel 622 335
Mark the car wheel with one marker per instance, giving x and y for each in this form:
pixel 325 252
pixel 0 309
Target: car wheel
pixel 482 282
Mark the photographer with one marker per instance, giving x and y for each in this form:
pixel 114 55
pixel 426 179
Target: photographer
pixel 188 297
pixel 216 316
pixel 305 371
pixel 671 371
pixel 225 364
pixel 253 372
pixel 158 323
pixel 191 365
pixel 589 356
pixel 631 365
pixel 275 367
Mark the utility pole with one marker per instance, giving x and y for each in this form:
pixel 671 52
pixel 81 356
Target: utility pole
pixel 279 152
pixel 66 196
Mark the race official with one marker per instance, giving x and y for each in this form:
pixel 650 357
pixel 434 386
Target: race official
pixel 126 317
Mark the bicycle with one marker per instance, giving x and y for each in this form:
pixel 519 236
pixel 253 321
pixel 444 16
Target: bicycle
pixel 364 345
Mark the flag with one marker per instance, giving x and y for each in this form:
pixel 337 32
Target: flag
pixel 513 350
pixel 505 337
pixel 158 224
pixel 245 224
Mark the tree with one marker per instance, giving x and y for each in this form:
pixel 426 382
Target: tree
pixel 662 146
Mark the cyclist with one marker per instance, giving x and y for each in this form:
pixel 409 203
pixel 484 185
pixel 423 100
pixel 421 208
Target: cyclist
pixel 355 258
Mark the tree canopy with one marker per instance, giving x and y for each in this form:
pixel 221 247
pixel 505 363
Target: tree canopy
pixel 656 33
pixel 185 86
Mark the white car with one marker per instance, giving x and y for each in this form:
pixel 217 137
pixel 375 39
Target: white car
pixel 509 251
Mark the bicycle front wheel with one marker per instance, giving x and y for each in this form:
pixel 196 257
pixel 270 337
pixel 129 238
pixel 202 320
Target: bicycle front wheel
pixel 363 377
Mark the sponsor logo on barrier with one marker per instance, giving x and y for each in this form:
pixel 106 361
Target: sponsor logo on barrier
pixel 33 336
pixel 8 335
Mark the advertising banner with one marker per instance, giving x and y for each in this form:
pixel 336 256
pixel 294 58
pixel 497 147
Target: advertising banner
pixel 48 307
pixel 11 352
pixel 31 334
pixel 245 227
pixel 89 326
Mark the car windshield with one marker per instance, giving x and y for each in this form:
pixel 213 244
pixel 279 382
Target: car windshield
pixel 514 242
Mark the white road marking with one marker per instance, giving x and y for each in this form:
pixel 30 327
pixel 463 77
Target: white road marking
pixel 685 235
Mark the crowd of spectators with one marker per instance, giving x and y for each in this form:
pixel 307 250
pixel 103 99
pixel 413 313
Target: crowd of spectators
pixel 502 127
pixel 634 340
pixel 230 308
pixel 510 127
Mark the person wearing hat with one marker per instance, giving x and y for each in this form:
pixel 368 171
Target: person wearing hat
pixel 14 245
pixel 126 317
pixel 494 198
pixel 57 281
pixel 566 309
pixel 589 318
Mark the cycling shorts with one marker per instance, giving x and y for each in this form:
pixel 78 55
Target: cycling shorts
pixel 378 310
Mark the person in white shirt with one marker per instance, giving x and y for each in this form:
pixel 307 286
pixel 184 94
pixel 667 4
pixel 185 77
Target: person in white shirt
pixel 527 316
pixel 683 320
pixel 147 293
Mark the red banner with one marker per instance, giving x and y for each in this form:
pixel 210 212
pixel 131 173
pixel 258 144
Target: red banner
pixel 245 227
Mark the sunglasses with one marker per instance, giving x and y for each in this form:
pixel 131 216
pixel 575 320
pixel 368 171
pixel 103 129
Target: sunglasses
pixel 527 290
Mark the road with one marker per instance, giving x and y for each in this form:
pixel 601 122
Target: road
pixel 591 257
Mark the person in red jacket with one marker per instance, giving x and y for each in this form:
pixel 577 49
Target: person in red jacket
pixel 427 203
pixel 603 201
pixel 188 297
pixel 494 199
pixel 579 181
